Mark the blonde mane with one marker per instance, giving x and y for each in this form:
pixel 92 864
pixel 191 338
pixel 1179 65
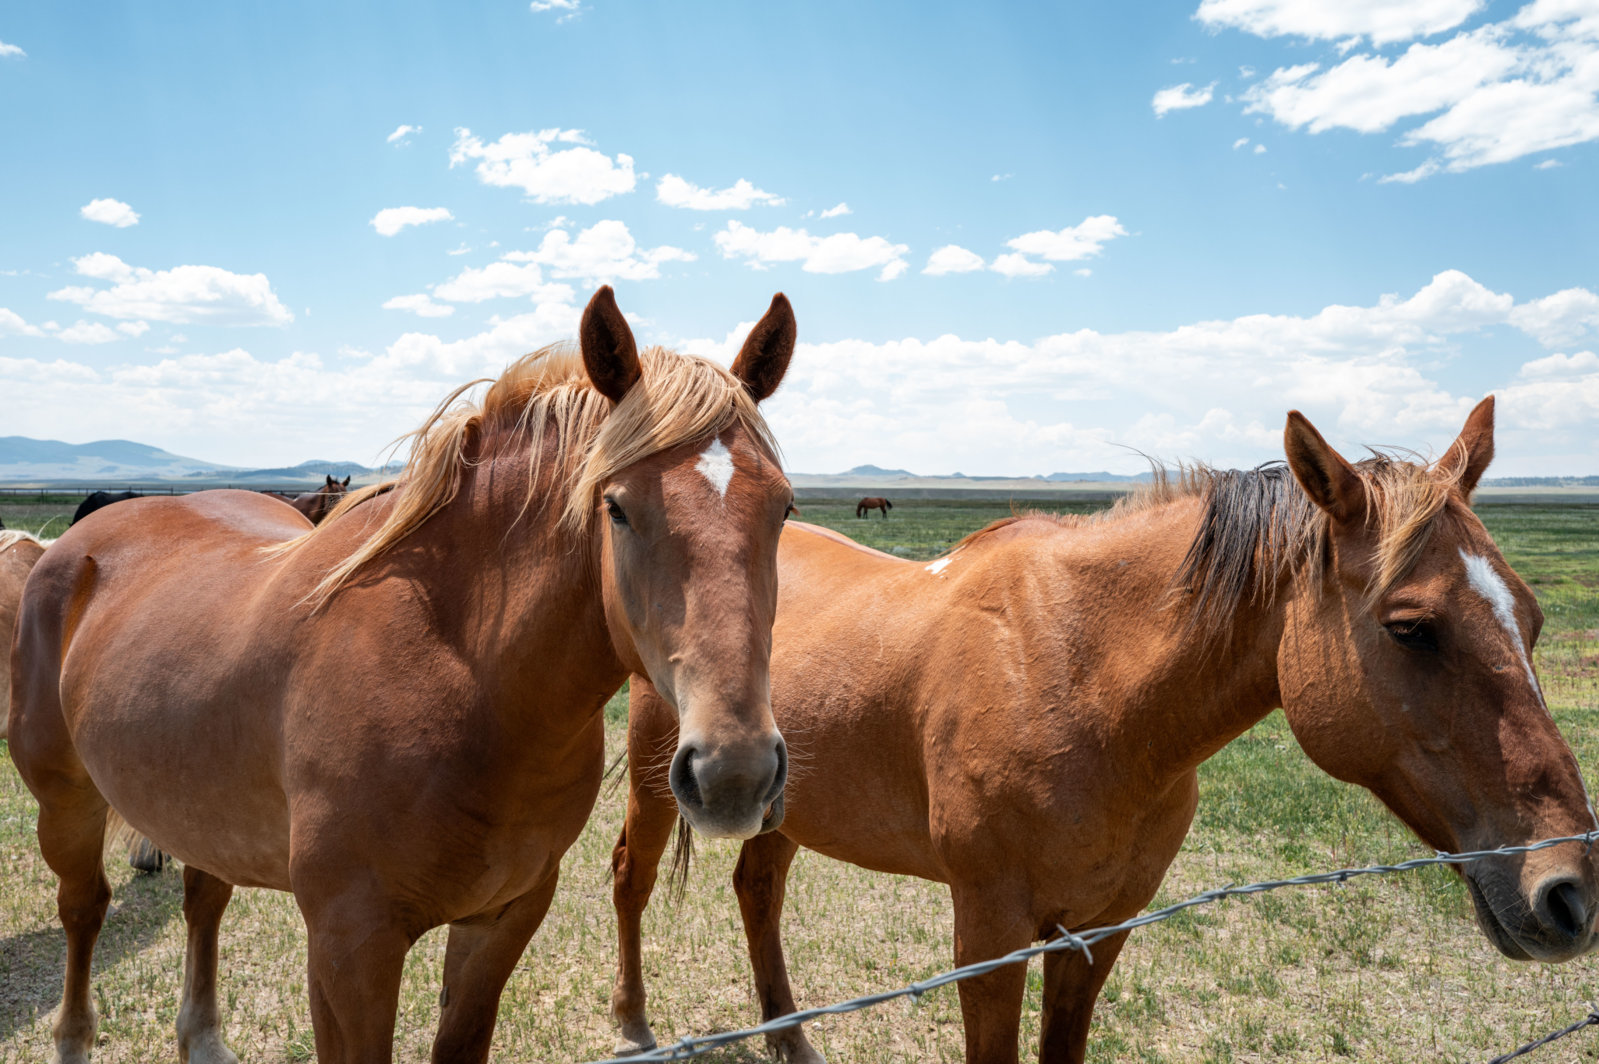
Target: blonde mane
pixel 10 537
pixel 573 437
pixel 1258 526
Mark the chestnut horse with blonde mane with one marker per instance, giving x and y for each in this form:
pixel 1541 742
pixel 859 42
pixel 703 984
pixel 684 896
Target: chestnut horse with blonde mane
pixel 1022 718
pixel 19 552
pixel 397 716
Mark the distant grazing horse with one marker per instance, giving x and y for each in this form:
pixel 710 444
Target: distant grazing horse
pixel 316 505
pixel 398 714
pixel 99 500
pixel 18 553
pixel 1021 719
pixel 866 506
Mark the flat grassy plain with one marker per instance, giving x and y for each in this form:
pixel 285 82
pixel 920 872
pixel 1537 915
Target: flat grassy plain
pixel 1378 970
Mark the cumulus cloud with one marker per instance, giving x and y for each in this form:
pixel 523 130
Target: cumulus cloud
pixel 182 295
pixel 501 280
pixel 1563 318
pixel 11 51
pixel 952 258
pixel 87 332
pixel 1082 241
pixel 403 134
pixel 12 324
pixel 390 220
pixel 566 10
pixel 535 163
pixel 421 305
pixel 110 212
pixel 606 251
pixel 1383 21
pixel 1181 98
pixel 1498 92
pixel 839 253
pixel 674 191
pixel 836 212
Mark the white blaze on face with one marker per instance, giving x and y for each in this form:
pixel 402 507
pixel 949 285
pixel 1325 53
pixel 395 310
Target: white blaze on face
pixel 1486 581
pixel 716 464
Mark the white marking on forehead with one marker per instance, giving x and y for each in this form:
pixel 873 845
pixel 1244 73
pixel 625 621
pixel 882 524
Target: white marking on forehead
pixel 937 567
pixel 1486 581
pixel 716 464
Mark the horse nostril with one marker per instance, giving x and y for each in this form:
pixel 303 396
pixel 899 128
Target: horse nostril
pixel 1566 912
pixel 684 785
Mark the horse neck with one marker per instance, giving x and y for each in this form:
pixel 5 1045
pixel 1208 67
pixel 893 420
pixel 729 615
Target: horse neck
pixel 1163 685
pixel 522 597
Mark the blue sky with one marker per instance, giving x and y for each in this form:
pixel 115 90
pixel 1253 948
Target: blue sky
pixel 1067 232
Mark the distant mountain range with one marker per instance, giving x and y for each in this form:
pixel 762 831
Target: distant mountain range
pixel 112 462
pixel 108 463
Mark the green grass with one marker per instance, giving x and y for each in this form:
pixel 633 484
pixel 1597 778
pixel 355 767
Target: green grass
pixel 1374 970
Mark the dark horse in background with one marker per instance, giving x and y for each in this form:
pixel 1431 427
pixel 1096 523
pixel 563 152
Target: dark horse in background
pixel 866 506
pixel 101 499
pixel 316 505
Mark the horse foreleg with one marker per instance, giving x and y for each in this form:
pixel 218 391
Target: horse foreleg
pixel 634 864
pixel 72 839
pixel 761 880
pixel 357 954
pixel 205 897
pixel 479 958
pixel 1071 987
pixel 989 924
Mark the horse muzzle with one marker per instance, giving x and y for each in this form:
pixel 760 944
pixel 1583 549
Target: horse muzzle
pixel 1552 923
pixel 728 791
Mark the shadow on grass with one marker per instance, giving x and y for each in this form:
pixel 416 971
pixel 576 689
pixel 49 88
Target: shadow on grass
pixel 33 964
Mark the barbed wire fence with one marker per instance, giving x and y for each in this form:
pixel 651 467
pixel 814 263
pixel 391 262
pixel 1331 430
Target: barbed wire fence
pixel 1084 942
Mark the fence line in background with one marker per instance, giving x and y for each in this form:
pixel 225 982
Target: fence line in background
pixel 695 1045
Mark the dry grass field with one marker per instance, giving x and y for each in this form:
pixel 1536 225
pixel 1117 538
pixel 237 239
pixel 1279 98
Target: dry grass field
pixel 1386 969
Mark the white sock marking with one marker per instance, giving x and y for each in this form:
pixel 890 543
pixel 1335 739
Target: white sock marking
pixel 716 463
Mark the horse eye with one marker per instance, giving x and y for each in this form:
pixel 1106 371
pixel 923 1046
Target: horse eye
pixel 615 512
pixel 1413 635
pixel 789 512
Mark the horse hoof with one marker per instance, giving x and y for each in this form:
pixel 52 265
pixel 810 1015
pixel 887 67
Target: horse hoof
pixel 792 1047
pixel 626 1046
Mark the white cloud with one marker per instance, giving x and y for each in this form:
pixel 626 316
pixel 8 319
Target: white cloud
pixel 1018 265
pixel 421 305
pixel 1181 97
pixel 390 220
pixel 11 324
pixel 1082 241
pixel 1083 271
pixel 568 9
pixel 1240 142
pixel 110 212
pixel 606 251
pixel 182 295
pixel 87 332
pixel 952 258
pixel 674 191
pixel 1260 149
pixel 1548 164
pixel 403 134
pixel 839 253
pixel 1383 21
pixel 1498 92
pixel 836 212
pixel 547 174
pixel 1002 177
pixel 1559 319
pixel 11 51
pixel 133 328
pixel 1561 367
pixel 501 280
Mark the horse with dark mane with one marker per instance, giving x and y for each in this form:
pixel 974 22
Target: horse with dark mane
pixel 867 505
pixel 1022 718
pixel 316 505
pixel 397 715
pixel 99 500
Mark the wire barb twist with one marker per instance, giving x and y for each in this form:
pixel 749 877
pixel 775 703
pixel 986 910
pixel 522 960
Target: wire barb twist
pixel 1083 941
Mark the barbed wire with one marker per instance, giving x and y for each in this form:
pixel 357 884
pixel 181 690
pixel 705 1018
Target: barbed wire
pixel 1083 941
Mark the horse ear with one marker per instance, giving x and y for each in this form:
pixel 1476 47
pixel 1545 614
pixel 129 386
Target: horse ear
pixel 346 481
pixel 763 359
pixel 1329 480
pixel 609 354
pixel 330 479
pixel 1468 457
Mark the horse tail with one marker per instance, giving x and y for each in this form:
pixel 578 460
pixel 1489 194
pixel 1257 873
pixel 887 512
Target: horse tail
pixel 682 854
pixel 611 773
pixel 888 504
pixel 143 854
